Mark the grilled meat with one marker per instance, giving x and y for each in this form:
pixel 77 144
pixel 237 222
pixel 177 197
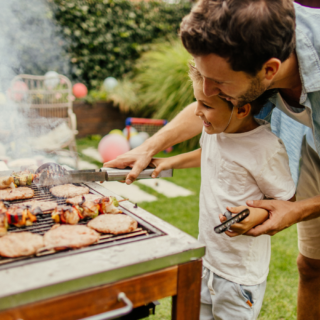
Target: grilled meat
pixel 20 216
pixel 81 199
pixel 109 205
pixel 16 194
pixel 33 205
pixel 23 178
pixel 6 182
pixel 66 214
pixel 68 191
pixel 20 244
pixel 62 237
pixel 90 209
pixel 113 223
pixel 3 219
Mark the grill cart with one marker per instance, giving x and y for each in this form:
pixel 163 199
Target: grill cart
pixel 107 279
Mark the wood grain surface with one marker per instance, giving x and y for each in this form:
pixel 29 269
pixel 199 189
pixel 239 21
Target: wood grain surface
pixel 140 290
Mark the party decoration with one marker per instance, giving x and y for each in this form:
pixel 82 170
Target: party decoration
pixel 18 91
pixel 144 135
pixel 112 146
pixel 135 141
pixel 79 90
pixel 116 131
pixel 133 131
pixel 51 79
pixel 110 83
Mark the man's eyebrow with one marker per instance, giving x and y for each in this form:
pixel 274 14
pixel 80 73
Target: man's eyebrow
pixel 215 80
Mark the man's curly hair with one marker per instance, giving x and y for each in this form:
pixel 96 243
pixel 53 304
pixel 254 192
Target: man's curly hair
pixel 245 32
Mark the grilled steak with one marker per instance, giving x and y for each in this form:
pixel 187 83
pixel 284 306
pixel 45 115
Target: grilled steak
pixel 20 244
pixel 113 223
pixel 16 193
pixel 66 236
pixel 43 205
pixel 68 191
pixel 79 199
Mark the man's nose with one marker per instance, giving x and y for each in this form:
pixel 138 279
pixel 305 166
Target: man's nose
pixel 210 88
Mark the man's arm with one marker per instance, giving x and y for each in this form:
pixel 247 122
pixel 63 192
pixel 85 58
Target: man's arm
pixel 283 214
pixel 183 127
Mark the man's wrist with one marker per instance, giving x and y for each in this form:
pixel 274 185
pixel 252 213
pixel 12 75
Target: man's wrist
pixel 308 209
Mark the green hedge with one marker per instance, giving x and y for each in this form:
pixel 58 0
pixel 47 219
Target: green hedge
pixel 106 36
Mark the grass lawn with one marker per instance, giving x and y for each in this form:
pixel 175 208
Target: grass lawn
pixel 182 212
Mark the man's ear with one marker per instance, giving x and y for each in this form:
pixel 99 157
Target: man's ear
pixel 243 111
pixel 271 68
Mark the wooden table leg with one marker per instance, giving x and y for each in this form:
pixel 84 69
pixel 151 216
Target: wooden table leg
pixel 186 304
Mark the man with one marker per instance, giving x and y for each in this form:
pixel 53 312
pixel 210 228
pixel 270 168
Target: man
pixel 242 48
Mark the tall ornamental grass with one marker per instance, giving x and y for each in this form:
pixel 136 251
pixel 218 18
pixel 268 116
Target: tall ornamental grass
pixel 159 86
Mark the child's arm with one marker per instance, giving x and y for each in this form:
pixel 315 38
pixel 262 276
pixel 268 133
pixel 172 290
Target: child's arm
pixel 256 217
pixel 185 160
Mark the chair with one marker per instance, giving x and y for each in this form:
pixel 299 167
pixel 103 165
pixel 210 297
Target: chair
pixel 46 103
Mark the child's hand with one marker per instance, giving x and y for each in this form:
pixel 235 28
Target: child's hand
pixel 256 217
pixel 160 164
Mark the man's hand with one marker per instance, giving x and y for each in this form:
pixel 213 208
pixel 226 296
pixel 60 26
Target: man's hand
pixel 137 159
pixel 282 215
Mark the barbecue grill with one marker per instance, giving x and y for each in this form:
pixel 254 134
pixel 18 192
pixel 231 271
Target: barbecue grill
pixel 155 261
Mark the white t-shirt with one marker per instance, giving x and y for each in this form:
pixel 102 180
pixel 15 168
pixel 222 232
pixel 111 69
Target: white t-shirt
pixel 236 168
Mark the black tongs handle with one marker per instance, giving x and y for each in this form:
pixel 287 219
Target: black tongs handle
pixel 231 220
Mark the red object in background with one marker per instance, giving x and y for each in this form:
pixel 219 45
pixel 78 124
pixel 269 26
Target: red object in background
pixel 111 146
pixel 79 90
pixel 18 91
pixel 309 3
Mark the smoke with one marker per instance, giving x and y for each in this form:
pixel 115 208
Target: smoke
pixel 29 44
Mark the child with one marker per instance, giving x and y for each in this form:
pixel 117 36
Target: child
pixel 240 159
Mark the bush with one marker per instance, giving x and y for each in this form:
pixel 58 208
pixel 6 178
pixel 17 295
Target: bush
pixel 106 36
pixel 160 86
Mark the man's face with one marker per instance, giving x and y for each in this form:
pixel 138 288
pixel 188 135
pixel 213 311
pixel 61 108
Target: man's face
pixel 219 79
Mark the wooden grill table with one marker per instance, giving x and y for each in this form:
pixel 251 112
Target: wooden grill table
pixel 88 283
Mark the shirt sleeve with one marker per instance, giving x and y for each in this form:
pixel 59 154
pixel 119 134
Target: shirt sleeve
pixel 274 179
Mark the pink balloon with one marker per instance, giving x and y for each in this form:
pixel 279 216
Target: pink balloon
pixel 18 91
pixel 111 146
pixel 79 90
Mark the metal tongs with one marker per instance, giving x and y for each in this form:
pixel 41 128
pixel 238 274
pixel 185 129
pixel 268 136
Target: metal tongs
pixel 53 174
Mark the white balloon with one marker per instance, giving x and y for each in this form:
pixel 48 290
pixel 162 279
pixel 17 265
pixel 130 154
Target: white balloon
pixel 132 130
pixel 144 135
pixel 110 83
pixel 51 79
pixel 135 141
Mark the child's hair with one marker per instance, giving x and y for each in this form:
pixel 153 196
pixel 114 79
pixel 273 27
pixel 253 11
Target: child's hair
pixel 256 105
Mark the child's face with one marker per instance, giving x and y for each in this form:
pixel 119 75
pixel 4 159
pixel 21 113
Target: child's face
pixel 213 111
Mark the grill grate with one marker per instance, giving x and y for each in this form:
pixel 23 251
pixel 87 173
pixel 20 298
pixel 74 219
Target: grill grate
pixel 44 224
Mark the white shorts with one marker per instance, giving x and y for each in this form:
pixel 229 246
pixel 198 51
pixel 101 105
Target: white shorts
pixel 225 300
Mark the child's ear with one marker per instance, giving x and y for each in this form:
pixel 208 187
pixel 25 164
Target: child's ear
pixel 243 111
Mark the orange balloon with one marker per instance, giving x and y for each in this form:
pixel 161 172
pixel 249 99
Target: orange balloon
pixel 79 90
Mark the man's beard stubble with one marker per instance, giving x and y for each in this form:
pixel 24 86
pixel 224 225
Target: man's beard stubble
pixel 256 89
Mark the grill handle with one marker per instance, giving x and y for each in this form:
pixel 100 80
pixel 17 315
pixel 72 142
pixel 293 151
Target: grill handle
pixel 114 313
pixel 114 174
